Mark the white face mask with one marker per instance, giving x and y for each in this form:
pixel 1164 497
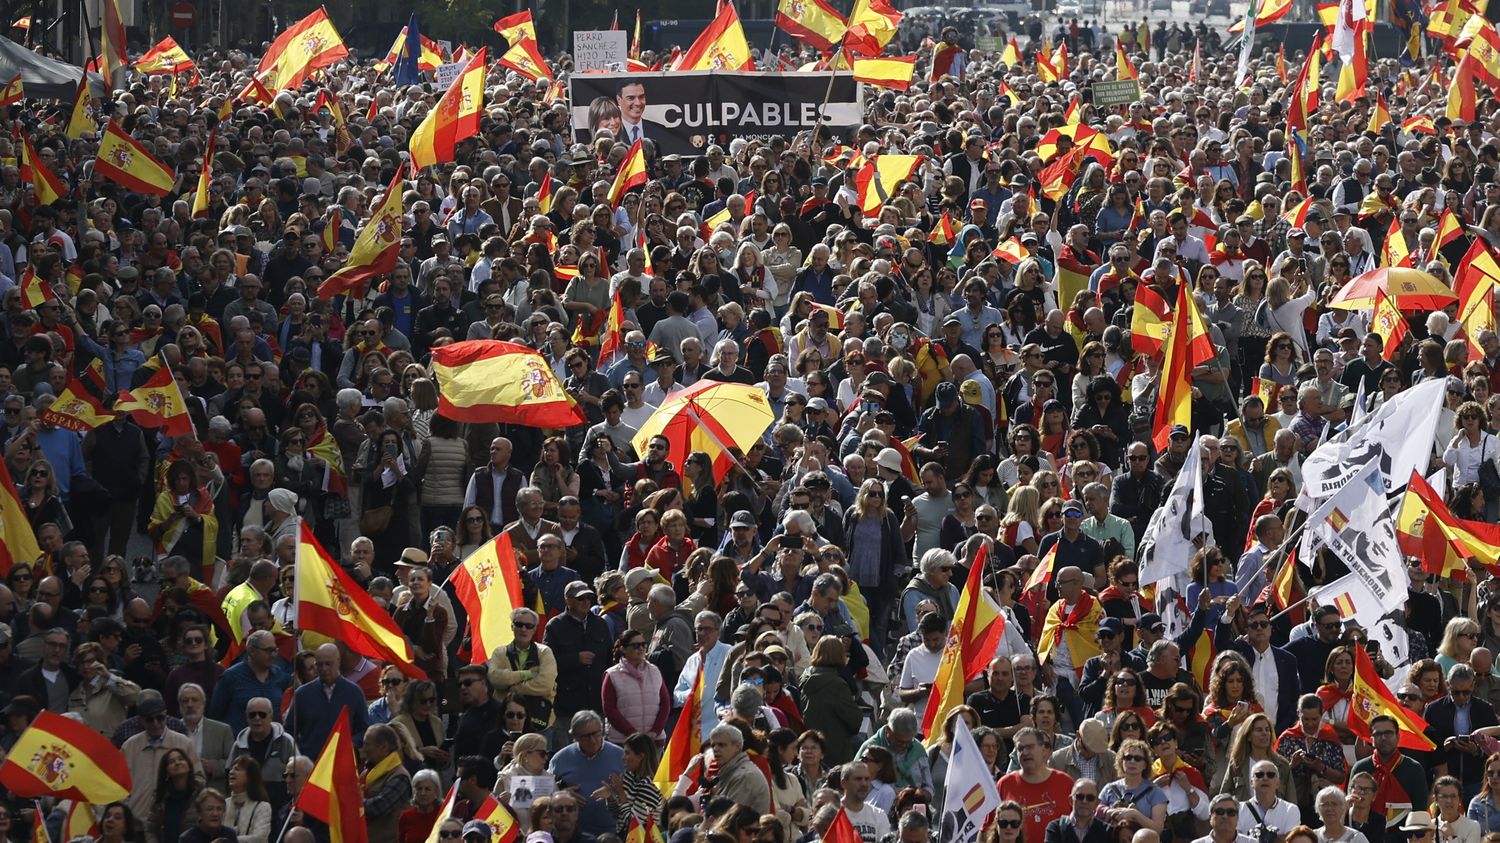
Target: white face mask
pixel 900 340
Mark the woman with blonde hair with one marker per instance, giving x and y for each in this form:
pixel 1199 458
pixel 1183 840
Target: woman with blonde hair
pixel 873 546
pixel 1460 637
pixel 1283 309
pixel 751 272
pixel 1252 742
pixel 783 260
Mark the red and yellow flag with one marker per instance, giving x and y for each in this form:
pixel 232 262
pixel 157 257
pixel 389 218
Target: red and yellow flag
pixel 1058 177
pixel 1388 322
pixel 525 58
pixel 1449 229
pixel 342 139
pixel 78 407
pixel 945 232
pixel 972 640
pixel 612 337
pixel 1379 115
pixel 517 27
pixel 489 380
pixel 1268 11
pixel 79 822
pixel 124 160
pixel 814 23
pixel 502 823
pixel 1175 404
pixel 894 72
pixel 1426 527
pixel 114 58
pixel 1150 321
pixel 685 742
pixel 65 759
pixel 1370 697
pixel 1124 68
pixel 13 92
pixel 309 45
pixel 872 25
pixel 17 539
pixel 35 291
pixel 647 832
pixel 632 174
pixel 1011 250
pixel 48 187
pixel 157 403
pixel 333 793
pixel 877 180
pixel 331 603
pixel 431 57
pixel 1042 573
pixel 202 197
pixel 488 584
pixel 1011 55
pixel 167 57
pixel 722 46
pixel 454 119
pixel 377 247
pixel 79 119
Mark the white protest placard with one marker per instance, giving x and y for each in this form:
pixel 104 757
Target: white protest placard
pixel 599 49
pixel 446 73
pixel 525 790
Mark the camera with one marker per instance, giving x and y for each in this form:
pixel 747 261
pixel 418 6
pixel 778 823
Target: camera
pixel 1263 833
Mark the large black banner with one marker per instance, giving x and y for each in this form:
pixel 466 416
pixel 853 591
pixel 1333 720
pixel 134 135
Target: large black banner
pixel 685 112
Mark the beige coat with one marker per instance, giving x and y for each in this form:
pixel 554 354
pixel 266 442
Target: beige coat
pixel 104 707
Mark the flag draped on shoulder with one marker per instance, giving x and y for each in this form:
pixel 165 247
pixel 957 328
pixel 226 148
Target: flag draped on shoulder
pixel 17 539
pixel 330 602
pixel 488 584
pixel 454 119
pixel 376 248
pixel 66 759
pixel 508 383
pixel 333 793
pixel 124 160
pixel 309 45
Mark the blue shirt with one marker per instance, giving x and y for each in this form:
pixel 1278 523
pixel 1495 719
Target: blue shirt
pixel 315 710
pixel 62 449
pixel 974 324
pixel 576 770
pixel 712 666
pixel 239 686
pixel 405 311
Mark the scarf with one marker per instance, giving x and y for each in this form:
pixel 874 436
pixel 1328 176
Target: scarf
pixel 1111 279
pixel 1332 695
pixel 1080 627
pixel 1195 778
pixel 1389 792
pixel 382 768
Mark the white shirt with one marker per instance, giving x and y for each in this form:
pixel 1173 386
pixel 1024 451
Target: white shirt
pixel 1267 682
pixel 653 394
pixel 1283 816
pixel 871 823
pixel 637 416
pixel 920 668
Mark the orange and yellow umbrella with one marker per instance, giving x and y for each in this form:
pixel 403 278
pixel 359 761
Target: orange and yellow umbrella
pixel 1410 289
pixel 711 417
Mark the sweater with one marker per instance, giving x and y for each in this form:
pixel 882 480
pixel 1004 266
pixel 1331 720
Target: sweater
pixel 315 709
pixel 635 700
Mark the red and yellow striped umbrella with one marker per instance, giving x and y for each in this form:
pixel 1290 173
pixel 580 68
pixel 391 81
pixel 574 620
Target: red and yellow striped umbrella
pixel 711 417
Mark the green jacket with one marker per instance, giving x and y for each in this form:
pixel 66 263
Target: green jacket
pixel 829 705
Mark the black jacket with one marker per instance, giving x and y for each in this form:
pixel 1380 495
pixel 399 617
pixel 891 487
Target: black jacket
pixel 1439 715
pixel 32 684
pixel 579 685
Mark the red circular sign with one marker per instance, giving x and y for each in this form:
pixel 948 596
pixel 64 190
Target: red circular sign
pixel 184 15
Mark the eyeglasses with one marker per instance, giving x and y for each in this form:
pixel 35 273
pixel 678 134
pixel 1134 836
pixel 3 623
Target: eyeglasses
pixel 196 639
pixel 1260 624
pixel 515 715
pixel 1384 733
pixel 813 627
pixel 1265 774
pixel 392 683
pixel 258 715
pixel 1226 812
pixel 1139 759
pixel 522 625
pixel 467 682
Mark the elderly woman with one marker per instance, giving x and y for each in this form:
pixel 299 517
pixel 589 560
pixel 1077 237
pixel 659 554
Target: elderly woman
pixel 415 823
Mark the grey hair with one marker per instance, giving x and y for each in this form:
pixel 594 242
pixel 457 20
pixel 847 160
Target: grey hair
pixel 1225 797
pixel 825 582
pixel 350 397
pixel 523 612
pixel 1161 646
pixel 727 732
pixel 935 558
pixel 801 520
pixel 582 719
pixel 1461 672
pixel 429 776
pixel 903 721
pixel 708 616
pixel 746 701
pixel 261 638
pixel 912 821
pixel 662 595
pixel 194 686
pixel 1331 790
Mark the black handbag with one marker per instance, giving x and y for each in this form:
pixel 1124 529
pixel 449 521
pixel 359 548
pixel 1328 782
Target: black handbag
pixel 1489 476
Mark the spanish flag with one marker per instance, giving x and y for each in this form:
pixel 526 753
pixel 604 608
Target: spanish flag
pixel 526 59
pixel 34 290
pixel 1042 573
pixel 502 823
pixel 13 92
pixel 1124 69
pixel 632 174
pixel 872 25
pixel 944 233
pixel 331 603
pixel 157 403
pixel 488 584
pixel 812 22
pixel 376 248
pixel 516 28
pixel 685 742
pixel 431 55
pixel 114 58
pixel 65 759
pixel 1045 69
pixel 1388 323
pixel 1011 250
pixel 1379 115
pixel 972 639
pixel 342 139
pixel 1175 403
pixel 722 46
pixel 1006 92
pixel 1057 178
pixel 1370 697
pixel 508 383
pixel 17 539
pixel 1268 11
pixel 205 179
pixel 1477 313
pixel 124 160
pixel 48 187
pixel 1443 540
pixel 79 119
pixel 612 335
pixel 311 44
pixel 1150 320
pixel 647 832
pixel 1461 91
pixel 1072 278
pixel 166 57
pixel 454 119
pixel 79 821
pixel 1449 229
pixel 877 180
pixel 333 793
pixel 78 407
pixel 1354 74
pixel 1011 57
pixel 895 72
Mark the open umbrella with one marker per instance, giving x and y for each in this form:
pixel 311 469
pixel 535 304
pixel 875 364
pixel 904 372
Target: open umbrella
pixel 1410 289
pixel 708 416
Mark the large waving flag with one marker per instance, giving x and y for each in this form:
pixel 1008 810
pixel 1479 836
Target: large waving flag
pixel 17 539
pixel 333 793
pixel 64 758
pixel 48 187
pixel 13 92
pixel 877 180
pixel 493 381
pixel 167 57
pixel 1370 697
pixel 894 72
pixel 972 640
pixel 79 119
pixel 112 42
pixel 488 584
pixel 1267 11
pixel 1389 323
pixel 872 25
pixel 1427 528
pixel 309 45
pixel 632 174
pixel 525 58
pixel 78 407
pixel 813 22
pixel 1150 321
pixel 454 119
pixel 1175 403
pixel 330 602
pixel 685 742
pixel 376 248
pixel 517 27
pixel 409 53
pixel 157 403
pixel 202 196
pixel 722 46
pixel 124 160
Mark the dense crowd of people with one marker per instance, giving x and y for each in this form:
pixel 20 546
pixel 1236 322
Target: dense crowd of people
pixel 933 401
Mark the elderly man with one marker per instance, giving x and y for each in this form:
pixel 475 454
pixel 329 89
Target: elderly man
pixel 633 361
pixel 526 670
pixel 1224 823
pixel 1264 807
pixel 257 676
pixel 387 784
pixel 932 581
pixel 711 654
pixel 1082 823
pixel 495 486
pixel 1311 419
pixel 144 753
pixel 212 740
pixel 316 705
pixel 738 778
pixel 587 764
pixel 826 601
pixel 671 630
pixel 899 735
pixel 526 532
pixel 266 741
pixel 1283 454
pixel 1073 621
pixel 1103 526
pixel 1045 792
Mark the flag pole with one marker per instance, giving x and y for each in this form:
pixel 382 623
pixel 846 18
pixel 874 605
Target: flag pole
pixel 287 824
pixel 812 141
